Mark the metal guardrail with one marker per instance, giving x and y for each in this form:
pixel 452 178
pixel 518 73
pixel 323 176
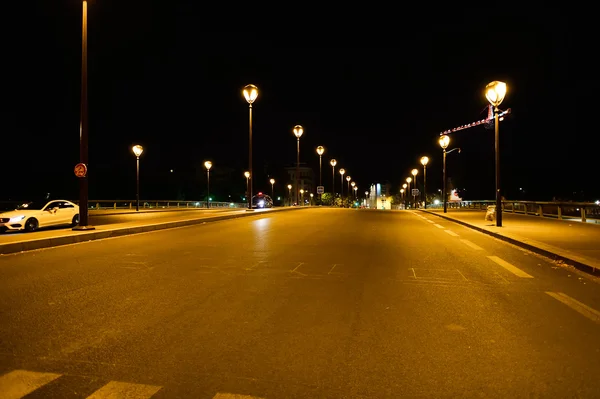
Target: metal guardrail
pixel 557 210
pixel 160 204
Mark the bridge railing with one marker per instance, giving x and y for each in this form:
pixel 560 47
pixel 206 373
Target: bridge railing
pixel 160 204
pixel 557 210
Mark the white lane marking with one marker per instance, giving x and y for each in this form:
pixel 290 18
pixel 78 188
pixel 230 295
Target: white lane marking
pixel 233 396
pixel 18 383
pixel 117 389
pixel 453 234
pixel 430 221
pixel 472 245
pixel 333 267
pixel 511 268
pixel 439 226
pixel 577 306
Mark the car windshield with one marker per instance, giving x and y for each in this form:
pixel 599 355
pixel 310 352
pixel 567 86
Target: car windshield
pixel 35 205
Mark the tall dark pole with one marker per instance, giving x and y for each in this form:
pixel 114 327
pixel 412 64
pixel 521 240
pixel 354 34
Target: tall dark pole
pixel 498 194
pixel 137 184
pixel 250 161
pixel 425 186
pixel 320 178
pixel 83 128
pixel 342 190
pixel 444 186
pixel 333 185
pixel 208 188
pixel 298 170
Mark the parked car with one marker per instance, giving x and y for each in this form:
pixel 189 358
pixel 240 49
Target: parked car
pixel 34 215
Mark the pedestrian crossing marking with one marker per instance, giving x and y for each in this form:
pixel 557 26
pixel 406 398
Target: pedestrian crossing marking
pixel 125 390
pixel 18 383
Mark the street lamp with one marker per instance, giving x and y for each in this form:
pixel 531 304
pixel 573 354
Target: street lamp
pixel 311 198
pixel 355 191
pixel 320 152
pixel 272 181
pixel 414 173
pixel 137 151
pixel 250 94
pixel 83 128
pixel 333 162
pixel 348 178
pixel 408 180
pixel 342 171
pixel 424 162
pixel 298 131
pixel 208 165
pixel 495 92
pixel 247 175
pixel 289 186
pixel 302 194
pixel 353 184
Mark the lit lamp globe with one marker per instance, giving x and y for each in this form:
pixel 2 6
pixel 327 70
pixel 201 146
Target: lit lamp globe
pixel 414 172
pixel 137 150
pixel 348 178
pixel 320 150
pixel 444 141
pixel 208 165
pixel 342 171
pixel 408 180
pixel 424 161
pixel 247 175
pixel 298 130
pixel 250 93
pixel 353 184
pixel 333 162
pixel 495 92
pixel 272 181
pixel 289 186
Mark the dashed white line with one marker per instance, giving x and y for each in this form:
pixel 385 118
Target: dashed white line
pixel 439 226
pixel 430 221
pixel 233 396
pixel 117 389
pixel 451 233
pixel 511 268
pixel 577 306
pixel 472 245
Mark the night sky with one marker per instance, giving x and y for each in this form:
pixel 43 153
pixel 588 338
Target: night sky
pixel 376 100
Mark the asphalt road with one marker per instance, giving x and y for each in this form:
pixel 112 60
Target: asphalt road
pixel 323 303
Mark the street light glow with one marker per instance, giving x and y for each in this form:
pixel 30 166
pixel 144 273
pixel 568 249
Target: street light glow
pixel 495 92
pixel 247 174
pixel 424 161
pixel 444 141
pixel 250 93
pixel 333 162
pixel 320 150
pixel 298 130
pixel 137 150
pixel 208 165
pixel 414 172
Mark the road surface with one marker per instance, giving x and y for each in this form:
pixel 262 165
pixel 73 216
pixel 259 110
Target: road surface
pixel 324 303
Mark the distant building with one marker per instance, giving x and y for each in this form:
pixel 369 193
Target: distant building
pixel 379 196
pixel 306 181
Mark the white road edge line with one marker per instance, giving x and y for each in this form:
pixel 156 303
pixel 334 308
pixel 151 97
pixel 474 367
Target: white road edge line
pixel 511 268
pixel 18 383
pixel 453 234
pixel 430 221
pixel 233 396
pixel 439 226
pixel 577 306
pixel 472 245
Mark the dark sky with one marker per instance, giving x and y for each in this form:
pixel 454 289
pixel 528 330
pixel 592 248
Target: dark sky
pixel 375 99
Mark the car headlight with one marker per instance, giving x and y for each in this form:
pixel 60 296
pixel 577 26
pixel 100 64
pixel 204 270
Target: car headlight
pixel 16 219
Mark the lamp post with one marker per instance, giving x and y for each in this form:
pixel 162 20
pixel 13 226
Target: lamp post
pixel 247 175
pixel 311 199
pixel 208 165
pixel 289 186
pixel 320 152
pixel 414 173
pixel 333 162
pixel 342 171
pixel 408 180
pixel 444 142
pixel 495 92
pixel 137 151
pixel 83 127
pixel 404 195
pixel 302 195
pixel 355 191
pixel 250 94
pixel 272 181
pixel 348 178
pixel 298 131
pixel 353 184
pixel 366 198
pixel 424 162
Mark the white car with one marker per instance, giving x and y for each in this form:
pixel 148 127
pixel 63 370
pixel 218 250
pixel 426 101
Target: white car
pixel 31 216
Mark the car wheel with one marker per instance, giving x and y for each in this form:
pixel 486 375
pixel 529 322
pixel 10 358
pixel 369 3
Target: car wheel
pixel 75 220
pixel 31 224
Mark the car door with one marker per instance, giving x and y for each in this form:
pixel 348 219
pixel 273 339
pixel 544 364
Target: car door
pixel 67 211
pixel 50 214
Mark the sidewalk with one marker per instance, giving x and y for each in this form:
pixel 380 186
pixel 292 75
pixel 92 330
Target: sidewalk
pixel 573 242
pixel 19 242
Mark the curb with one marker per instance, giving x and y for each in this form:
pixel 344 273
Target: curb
pixel 93 212
pixel 49 242
pixel 590 269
